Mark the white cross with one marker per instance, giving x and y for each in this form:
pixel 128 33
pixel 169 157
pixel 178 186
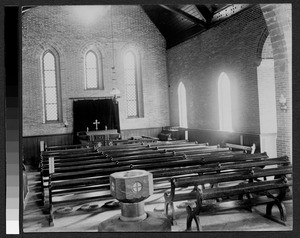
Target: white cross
pixel 96 123
pixel 136 187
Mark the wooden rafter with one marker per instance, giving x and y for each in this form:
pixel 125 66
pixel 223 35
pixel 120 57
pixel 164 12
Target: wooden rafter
pixel 206 13
pixel 189 17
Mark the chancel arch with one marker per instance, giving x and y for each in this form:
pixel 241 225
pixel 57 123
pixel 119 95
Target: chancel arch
pixel 182 105
pixel 224 97
pixel 279 23
pixel 267 98
pixel 51 87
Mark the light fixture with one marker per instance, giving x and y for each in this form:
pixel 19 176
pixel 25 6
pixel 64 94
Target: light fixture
pixel 283 103
pixel 66 123
pixel 115 92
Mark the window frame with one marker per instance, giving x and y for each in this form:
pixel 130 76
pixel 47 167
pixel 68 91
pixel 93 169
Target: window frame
pixel 58 87
pixel 183 122
pixel 138 84
pixel 99 71
pixel 225 124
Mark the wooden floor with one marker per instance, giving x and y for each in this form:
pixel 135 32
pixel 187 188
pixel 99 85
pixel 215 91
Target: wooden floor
pixel 36 220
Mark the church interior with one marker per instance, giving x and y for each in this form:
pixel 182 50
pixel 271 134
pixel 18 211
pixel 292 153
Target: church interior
pixel 164 118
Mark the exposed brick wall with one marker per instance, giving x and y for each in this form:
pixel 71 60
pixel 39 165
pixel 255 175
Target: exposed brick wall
pixel 230 47
pixel 57 27
pixel 266 91
pixel 278 20
pixel 266 86
pixel 267 51
pixel 235 47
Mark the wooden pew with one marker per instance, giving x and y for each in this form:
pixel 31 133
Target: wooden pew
pixel 92 163
pixel 261 177
pixel 247 149
pixel 89 153
pixel 102 161
pixel 158 171
pixel 143 139
pixel 94 159
pixel 65 147
pixel 116 151
pixel 94 183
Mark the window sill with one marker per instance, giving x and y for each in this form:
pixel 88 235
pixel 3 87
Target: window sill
pixel 52 122
pixel 134 117
pixel 92 89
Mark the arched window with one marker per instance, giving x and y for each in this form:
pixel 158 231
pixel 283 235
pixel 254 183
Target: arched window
pixel 93 79
pixel 224 103
pixel 133 85
pixel 51 87
pixel 182 105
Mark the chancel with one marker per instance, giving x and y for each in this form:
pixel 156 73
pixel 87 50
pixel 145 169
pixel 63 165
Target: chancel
pixel 161 118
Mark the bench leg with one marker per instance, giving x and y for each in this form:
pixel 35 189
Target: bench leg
pixel 278 202
pixel 281 208
pixel 192 215
pixel 245 197
pixel 173 210
pixel 51 216
pixel 166 210
pixel 46 200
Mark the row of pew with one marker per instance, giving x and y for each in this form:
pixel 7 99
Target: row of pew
pixel 80 174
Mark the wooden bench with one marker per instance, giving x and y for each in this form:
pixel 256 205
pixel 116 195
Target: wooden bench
pixel 247 149
pixel 259 178
pixel 93 183
pixel 95 159
pixel 64 147
pixel 142 139
pixel 101 154
pixel 100 161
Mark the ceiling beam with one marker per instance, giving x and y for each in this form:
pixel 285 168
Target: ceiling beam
pixel 206 13
pixel 185 15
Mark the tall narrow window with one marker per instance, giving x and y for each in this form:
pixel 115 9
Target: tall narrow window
pixel 51 102
pixel 91 71
pixel 131 84
pixel 182 105
pixel 224 103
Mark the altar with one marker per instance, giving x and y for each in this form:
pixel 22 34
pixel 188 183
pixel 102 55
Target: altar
pixel 102 136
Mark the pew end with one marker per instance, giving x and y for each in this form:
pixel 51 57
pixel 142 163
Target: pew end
pixel 246 149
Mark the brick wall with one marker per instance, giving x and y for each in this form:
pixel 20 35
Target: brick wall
pixel 266 91
pixel 230 47
pixel 58 28
pixel 278 20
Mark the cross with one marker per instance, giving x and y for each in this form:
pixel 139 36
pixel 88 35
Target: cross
pixel 136 187
pixel 96 123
